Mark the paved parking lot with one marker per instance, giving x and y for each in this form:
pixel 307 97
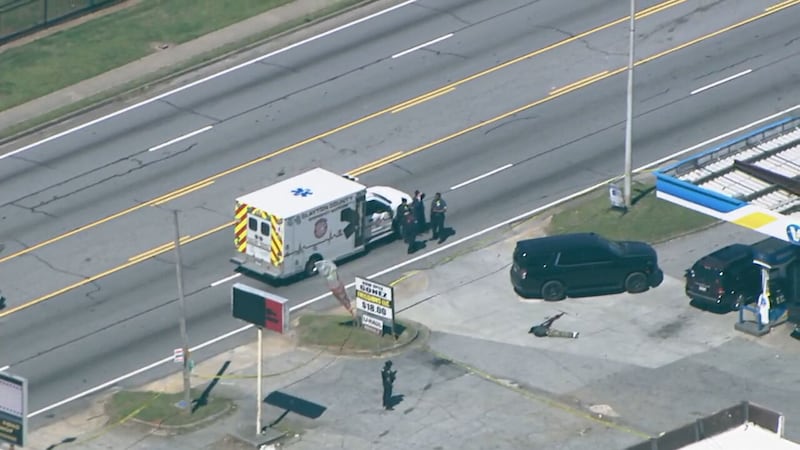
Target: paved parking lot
pixel 643 364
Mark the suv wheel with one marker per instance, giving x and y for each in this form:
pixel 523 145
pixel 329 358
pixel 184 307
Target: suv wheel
pixel 636 282
pixel 553 290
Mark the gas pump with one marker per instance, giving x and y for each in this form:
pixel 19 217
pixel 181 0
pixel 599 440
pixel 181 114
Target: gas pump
pixel 778 261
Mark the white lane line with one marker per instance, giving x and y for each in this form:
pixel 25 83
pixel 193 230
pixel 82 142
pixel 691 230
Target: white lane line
pixel 4 368
pixel 208 78
pixel 415 259
pixel 137 372
pixel 431 42
pixel 722 81
pixel 180 138
pixel 225 280
pixel 480 177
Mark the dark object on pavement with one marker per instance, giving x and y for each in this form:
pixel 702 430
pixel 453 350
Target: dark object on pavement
pixel 553 267
pixel 544 330
pixel 387 379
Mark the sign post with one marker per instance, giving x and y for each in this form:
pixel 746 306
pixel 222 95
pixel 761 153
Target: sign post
pixel 13 409
pixel 375 302
pixel 258 377
pixel 264 310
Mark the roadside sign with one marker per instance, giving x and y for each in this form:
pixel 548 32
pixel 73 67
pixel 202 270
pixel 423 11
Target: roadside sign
pixel 177 355
pixel 375 304
pixel 262 309
pixel 13 409
pixel 616 196
pixel 375 298
pixel 370 323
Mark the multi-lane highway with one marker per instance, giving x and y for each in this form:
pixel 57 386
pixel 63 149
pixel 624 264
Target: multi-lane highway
pixel 431 95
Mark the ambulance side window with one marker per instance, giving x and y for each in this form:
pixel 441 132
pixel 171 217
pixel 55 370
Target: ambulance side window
pixel 265 228
pixel 252 224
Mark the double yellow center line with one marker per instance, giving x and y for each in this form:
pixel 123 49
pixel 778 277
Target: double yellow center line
pixel 383 161
pixel 390 110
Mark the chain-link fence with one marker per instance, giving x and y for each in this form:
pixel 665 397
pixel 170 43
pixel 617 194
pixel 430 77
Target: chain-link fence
pixel 18 17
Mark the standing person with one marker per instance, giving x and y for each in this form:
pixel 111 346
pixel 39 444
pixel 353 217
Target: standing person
pixel 398 222
pixel 438 210
pixel 387 379
pixel 409 225
pixel 418 206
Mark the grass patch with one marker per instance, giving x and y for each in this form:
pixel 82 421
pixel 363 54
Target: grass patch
pixel 338 332
pixel 99 45
pixel 650 219
pixel 132 86
pixel 160 408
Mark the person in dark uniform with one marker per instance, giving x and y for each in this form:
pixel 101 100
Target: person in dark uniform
pixel 418 207
pixel 387 378
pixel 438 210
pixel 409 225
pixel 399 217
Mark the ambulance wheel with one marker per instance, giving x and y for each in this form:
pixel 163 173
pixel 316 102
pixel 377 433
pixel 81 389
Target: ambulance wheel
pixel 311 265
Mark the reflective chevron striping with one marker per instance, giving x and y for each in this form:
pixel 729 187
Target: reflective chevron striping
pixel 240 230
pixel 276 241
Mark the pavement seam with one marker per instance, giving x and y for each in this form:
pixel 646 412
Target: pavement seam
pixel 538 398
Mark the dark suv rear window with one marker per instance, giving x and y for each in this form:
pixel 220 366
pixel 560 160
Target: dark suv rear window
pixel 524 257
pixel 708 272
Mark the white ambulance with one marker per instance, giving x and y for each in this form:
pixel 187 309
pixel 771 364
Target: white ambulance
pixel 282 230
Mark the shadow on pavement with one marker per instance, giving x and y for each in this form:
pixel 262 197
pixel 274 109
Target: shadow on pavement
pixel 201 401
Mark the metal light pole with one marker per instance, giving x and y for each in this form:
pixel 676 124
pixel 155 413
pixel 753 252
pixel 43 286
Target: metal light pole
pixel 629 116
pixel 259 375
pixel 187 396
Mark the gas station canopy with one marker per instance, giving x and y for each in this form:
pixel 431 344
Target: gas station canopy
pixel 752 181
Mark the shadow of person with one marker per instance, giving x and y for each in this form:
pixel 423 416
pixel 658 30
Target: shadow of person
pixel 416 246
pixel 396 400
pixel 446 233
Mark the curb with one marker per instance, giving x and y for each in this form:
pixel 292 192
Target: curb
pixel 145 86
pixel 160 426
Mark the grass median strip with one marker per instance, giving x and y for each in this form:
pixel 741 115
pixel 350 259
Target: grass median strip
pixel 99 45
pixel 338 333
pixel 649 219
pixel 39 87
pixel 160 408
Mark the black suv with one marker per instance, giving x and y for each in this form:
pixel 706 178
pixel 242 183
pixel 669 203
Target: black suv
pixel 583 263
pixel 724 279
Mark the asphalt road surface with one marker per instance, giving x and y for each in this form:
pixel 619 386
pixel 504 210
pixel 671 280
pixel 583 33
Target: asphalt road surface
pixel 533 91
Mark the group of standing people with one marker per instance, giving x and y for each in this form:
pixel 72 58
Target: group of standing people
pixel 412 218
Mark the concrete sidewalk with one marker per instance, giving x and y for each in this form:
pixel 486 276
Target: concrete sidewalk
pixel 643 364
pixel 180 55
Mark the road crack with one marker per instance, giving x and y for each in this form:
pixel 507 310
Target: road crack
pixel 192 111
pixel 56 269
pixel 139 165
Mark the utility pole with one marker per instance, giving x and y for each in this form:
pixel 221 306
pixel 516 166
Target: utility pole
pixel 629 118
pixel 187 396
pixel 259 375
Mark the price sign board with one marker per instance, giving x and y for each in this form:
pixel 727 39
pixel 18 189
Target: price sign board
pixel 375 304
pixel 13 409
pixel 375 298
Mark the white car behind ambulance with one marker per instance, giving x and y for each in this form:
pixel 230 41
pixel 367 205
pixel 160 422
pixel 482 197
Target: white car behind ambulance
pixel 282 230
